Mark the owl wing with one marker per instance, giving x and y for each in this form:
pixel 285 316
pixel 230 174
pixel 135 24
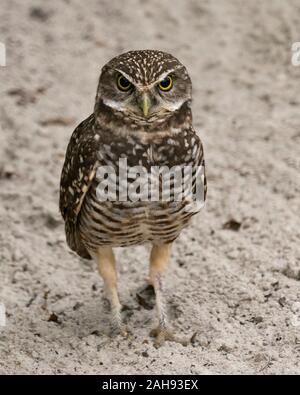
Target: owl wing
pixel 199 164
pixel 200 161
pixel 78 172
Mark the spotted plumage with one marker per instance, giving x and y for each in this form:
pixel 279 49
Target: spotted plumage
pixel 149 126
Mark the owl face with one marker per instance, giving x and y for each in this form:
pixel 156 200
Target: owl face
pixel 144 85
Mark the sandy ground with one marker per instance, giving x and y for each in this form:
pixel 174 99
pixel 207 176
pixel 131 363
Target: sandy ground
pixel 234 277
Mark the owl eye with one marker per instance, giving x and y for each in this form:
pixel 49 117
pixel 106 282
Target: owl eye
pixel 123 84
pixel 166 84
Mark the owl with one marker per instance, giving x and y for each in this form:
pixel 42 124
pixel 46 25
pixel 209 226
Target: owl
pixel 118 184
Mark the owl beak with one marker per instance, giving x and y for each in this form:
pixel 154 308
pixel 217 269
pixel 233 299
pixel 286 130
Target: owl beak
pixel 145 103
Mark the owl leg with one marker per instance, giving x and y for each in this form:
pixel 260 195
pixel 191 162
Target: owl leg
pixel 159 259
pixel 107 270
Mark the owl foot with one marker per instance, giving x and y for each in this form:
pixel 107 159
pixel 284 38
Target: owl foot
pixel 162 335
pixel 120 330
pixel 118 326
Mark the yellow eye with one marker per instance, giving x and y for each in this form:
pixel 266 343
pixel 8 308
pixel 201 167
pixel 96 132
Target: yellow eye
pixel 123 84
pixel 166 84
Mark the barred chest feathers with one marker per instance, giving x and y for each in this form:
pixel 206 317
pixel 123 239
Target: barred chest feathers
pixel 128 222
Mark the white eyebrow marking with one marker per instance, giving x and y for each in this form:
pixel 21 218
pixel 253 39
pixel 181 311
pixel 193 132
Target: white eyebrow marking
pixel 149 86
pixel 125 75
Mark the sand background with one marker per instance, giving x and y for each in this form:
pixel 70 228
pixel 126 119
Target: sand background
pixel 236 285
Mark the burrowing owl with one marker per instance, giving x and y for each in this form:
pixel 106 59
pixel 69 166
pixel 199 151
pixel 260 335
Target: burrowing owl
pixel 142 120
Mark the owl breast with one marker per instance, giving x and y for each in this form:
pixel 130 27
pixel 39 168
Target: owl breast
pixel 124 214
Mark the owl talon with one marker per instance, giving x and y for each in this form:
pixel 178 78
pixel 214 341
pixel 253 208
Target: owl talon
pixel 162 335
pixel 120 331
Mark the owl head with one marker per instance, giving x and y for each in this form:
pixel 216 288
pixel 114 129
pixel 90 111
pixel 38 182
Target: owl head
pixel 144 85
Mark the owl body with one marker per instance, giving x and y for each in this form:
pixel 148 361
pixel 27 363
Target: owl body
pixel 163 138
pixel 125 223
pixel 132 171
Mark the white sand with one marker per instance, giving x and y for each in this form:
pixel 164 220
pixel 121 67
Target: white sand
pixel 237 289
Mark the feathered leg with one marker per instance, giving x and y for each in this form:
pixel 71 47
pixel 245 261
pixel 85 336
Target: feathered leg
pixel 159 259
pixel 107 269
